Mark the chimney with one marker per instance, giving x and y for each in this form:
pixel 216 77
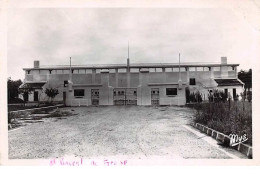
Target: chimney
pixel 223 67
pixel 223 60
pixel 36 64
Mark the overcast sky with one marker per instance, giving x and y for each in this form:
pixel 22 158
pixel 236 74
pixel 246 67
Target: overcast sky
pixel 100 36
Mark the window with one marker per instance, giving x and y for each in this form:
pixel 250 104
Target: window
pixel 175 69
pixel 88 71
pixel 199 68
pixel 216 68
pixel 79 93
pixel 121 70
pixel 182 69
pixel 112 70
pixel 171 91
pixel 82 71
pixel 168 69
pixel 134 70
pixel 75 71
pixel 192 81
pixel 158 70
pixel 230 68
pixel 151 69
pixel 59 71
pixel 192 69
pixel 66 83
pixel 206 69
pixel 66 71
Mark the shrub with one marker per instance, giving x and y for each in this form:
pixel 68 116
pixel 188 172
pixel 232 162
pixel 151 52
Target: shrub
pixel 187 95
pixel 11 117
pixel 195 97
pixel 217 96
pixel 227 119
pixel 51 93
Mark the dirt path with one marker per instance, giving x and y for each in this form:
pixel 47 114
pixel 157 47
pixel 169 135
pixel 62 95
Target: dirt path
pixel 132 132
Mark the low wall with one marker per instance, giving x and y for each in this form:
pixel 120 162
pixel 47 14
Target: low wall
pixel 243 148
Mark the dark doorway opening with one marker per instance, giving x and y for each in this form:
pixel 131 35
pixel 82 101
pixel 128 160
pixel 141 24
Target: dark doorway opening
pixel 234 94
pixel 64 98
pixel 35 96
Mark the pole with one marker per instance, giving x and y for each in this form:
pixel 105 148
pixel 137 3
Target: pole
pixel 180 82
pixel 179 62
pixel 128 49
pixel 179 67
pixel 70 64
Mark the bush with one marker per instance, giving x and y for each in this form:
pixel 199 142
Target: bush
pixel 15 100
pixel 217 96
pixel 51 93
pixel 11 117
pixel 228 118
pixel 195 97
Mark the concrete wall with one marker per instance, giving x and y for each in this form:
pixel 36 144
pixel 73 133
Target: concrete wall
pixel 179 99
pixel 143 81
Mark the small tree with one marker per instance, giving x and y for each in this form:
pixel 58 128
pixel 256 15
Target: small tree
pixel 51 93
pixel 187 90
pixel 13 88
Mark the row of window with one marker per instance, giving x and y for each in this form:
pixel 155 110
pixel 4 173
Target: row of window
pixel 192 82
pixel 79 93
pixel 89 71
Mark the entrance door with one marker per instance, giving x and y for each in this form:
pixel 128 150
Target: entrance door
pixel 64 98
pixel 35 96
pixel 234 94
pixel 95 96
pixel 26 96
pixel 125 96
pixel 131 96
pixel 119 96
pixel 155 96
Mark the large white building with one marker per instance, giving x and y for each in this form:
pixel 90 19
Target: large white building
pixel 131 84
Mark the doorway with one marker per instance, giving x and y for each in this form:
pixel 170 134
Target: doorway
pixel 155 96
pixel 35 96
pixel 95 97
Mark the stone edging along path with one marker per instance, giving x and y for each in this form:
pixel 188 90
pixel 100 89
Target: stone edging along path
pixel 35 109
pixel 243 148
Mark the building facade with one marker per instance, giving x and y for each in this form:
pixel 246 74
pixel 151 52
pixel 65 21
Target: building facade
pixel 130 84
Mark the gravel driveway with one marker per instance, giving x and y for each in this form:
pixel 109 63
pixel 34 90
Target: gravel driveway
pixel 129 131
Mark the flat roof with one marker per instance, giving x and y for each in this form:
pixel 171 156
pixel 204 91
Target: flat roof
pixel 229 82
pixel 133 65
